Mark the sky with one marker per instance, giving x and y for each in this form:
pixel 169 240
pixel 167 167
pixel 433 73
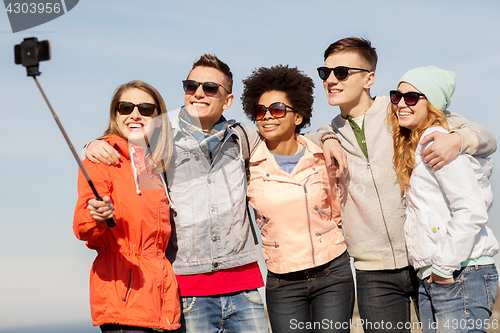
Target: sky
pixel 99 45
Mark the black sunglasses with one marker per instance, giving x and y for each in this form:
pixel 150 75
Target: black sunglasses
pixel 277 110
pixel 340 72
pixel 145 109
pixel 209 88
pixel 411 98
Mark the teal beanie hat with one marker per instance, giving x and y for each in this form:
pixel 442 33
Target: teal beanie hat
pixel 435 83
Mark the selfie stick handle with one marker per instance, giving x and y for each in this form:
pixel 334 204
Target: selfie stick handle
pixel 111 221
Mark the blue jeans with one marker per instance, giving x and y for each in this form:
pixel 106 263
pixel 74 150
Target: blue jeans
pixel 462 306
pixel 384 299
pixel 240 312
pixel 320 299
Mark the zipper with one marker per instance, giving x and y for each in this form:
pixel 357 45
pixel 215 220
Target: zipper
pixel 321 211
pixel 264 221
pixel 127 294
pixel 378 196
pixel 409 234
pixel 324 232
pixel 309 223
pixel 409 242
pixel 381 210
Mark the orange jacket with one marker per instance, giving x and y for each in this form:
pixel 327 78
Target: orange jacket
pixel 298 213
pixel 131 281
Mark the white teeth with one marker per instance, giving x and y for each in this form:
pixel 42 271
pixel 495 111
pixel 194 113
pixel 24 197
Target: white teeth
pixel 199 104
pixel 404 113
pixel 334 90
pixel 135 125
pixel 268 126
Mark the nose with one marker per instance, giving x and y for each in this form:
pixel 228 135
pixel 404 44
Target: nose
pixel 199 93
pixel 401 103
pixel 135 113
pixel 331 79
pixel 268 111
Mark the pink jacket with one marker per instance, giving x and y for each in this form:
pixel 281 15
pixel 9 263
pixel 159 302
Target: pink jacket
pixel 298 213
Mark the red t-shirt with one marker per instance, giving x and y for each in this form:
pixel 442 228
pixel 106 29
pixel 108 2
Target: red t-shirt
pixel 226 281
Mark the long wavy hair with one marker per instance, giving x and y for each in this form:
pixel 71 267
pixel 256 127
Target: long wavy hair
pixel 405 141
pixel 161 140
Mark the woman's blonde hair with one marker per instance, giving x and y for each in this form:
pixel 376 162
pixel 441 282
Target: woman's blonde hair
pixel 161 140
pixel 405 141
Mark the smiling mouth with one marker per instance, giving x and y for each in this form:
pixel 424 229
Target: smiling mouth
pixel 199 104
pixel 270 127
pixel 334 91
pixel 135 126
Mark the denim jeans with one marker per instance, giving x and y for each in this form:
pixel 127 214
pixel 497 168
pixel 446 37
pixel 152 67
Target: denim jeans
pixel 240 312
pixel 462 306
pixel 384 299
pixel 314 300
pixel 116 328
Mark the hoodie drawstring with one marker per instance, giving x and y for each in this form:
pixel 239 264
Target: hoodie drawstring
pixel 132 153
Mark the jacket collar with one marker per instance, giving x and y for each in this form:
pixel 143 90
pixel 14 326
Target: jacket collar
pixel 262 153
pixel 119 143
pixel 140 161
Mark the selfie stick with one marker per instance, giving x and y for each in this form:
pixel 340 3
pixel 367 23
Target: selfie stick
pixel 111 221
pixel 29 54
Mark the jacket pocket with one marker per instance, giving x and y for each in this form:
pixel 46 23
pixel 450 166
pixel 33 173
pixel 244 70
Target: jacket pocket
pixel 129 288
pixel 264 219
pixel 233 169
pixel 491 283
pixel 267 249
pixel 179 176
pixel 323 214
pixel 188 303
pixel 319 234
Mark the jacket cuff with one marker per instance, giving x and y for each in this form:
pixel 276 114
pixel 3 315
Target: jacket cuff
pixel 328 136
pixel 470 142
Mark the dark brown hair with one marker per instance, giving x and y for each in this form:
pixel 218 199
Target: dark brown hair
pixel 208 60
pixel 361 46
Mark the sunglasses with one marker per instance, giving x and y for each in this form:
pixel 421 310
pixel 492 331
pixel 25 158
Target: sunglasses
pixel 145 109
pixel 277 110
pixel 411 98
pixel 209 88
pixel 340 72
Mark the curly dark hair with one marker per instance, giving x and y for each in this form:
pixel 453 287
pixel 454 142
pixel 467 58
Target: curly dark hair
pixel 297 86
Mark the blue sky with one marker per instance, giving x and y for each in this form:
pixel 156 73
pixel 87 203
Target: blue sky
pixel 99 45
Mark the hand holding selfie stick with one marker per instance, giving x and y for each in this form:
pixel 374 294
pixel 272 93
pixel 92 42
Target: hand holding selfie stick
pixel 29 53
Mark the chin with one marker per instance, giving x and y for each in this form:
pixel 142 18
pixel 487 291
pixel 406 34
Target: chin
pixel 334 101
pixel 137 137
